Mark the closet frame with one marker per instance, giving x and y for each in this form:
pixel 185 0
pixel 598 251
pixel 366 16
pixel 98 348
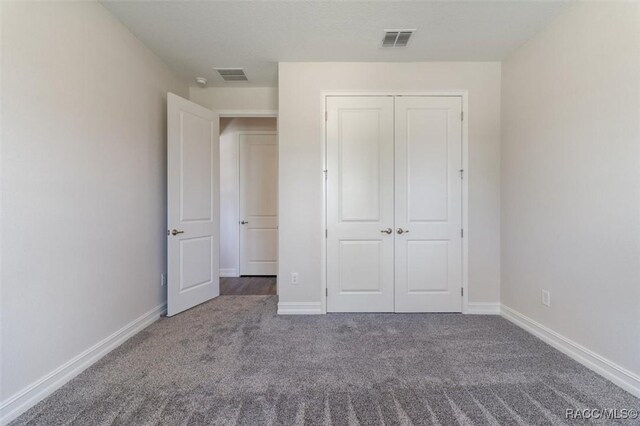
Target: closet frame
pixel 464 95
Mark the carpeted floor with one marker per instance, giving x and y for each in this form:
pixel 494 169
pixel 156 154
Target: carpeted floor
pixel 234 361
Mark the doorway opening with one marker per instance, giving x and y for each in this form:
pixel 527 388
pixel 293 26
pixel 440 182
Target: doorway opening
pixel 248 205
pixel 208 189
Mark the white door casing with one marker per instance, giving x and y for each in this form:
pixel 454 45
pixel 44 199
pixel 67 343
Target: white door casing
pixel 258 203
pixel 193 221
pixel 360 204
pixel 428 204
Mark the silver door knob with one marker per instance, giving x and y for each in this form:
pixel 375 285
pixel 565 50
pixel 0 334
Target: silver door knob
pixel 402 231
pixel 176 232
pixel 387 231
pixel 243 222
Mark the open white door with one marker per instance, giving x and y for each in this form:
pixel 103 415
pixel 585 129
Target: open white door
pixel 193 221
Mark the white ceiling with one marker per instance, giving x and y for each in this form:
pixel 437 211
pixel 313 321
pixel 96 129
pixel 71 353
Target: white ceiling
pixel 195 37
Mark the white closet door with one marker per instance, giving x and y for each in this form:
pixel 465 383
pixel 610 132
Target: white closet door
pixel 428 210
pixel 258 204
pixel 360 204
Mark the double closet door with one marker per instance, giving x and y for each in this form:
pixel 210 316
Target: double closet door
pixel 394 203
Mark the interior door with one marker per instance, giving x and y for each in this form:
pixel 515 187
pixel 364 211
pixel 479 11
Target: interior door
pixel 258 203
pixel 359 204
pixel 428 209
pixel 193 220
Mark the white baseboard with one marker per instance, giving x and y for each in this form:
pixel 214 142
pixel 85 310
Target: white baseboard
pixel 483 308
pixel 299 308
pixel 17 404
pixel 601 365
pixel 229 272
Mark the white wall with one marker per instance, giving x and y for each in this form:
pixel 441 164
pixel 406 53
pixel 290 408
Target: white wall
pixel 83 183
pixel 571 179
pixel 235 98
pixel 300 161
pixel 229 196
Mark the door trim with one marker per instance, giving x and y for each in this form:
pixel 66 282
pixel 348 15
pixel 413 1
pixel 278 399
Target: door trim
pixel 464 95
pixel 239 136
pixel 240 113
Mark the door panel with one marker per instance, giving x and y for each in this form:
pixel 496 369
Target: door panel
pixel 260 245
pixel 428 197
pixel 359 157
pixel 359 204
pixel 427 266
pixel 427 164
pixel 196 262
pixel 196 168
pixel 192 204
pixel 360 263
pixel 258 203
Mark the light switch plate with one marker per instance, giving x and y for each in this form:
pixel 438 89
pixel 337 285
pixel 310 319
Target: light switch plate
pixel 546 298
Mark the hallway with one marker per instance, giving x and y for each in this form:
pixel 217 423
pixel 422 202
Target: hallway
pixel 248 286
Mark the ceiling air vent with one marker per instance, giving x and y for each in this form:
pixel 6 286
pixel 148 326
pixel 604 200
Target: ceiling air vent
pixel 396 38
pixel 232 74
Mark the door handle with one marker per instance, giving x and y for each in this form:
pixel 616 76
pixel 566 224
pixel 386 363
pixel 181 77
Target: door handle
pixel 387 231
pixel 176 232
pixel 402 231
pixel 244 222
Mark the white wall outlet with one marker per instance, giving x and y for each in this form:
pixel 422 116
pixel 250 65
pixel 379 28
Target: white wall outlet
pixel 163 279
pixel 294 278
pixel 546 298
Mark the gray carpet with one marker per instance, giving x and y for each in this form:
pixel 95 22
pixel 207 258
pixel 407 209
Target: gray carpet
pixel 233 361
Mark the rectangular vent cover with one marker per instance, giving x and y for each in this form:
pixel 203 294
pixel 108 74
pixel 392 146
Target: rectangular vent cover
pixel 232 74
pixel 396 38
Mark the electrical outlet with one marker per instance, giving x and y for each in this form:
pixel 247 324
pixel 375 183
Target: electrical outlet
pixel 294 278
pixel 163 279
pixel 546 298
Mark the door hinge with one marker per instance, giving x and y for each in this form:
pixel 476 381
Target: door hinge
pixel 326 292
pixel 461 173
pixel 461 291
pixel 326 116
pixel 326 233
pixel 326 173
pixel 462 233
pixel 461 115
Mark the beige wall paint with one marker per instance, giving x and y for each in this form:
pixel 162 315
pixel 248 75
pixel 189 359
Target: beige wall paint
pixel 571 179
pixel 229 196
pixel 83 183
pixel 300 161
pixel 235 98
